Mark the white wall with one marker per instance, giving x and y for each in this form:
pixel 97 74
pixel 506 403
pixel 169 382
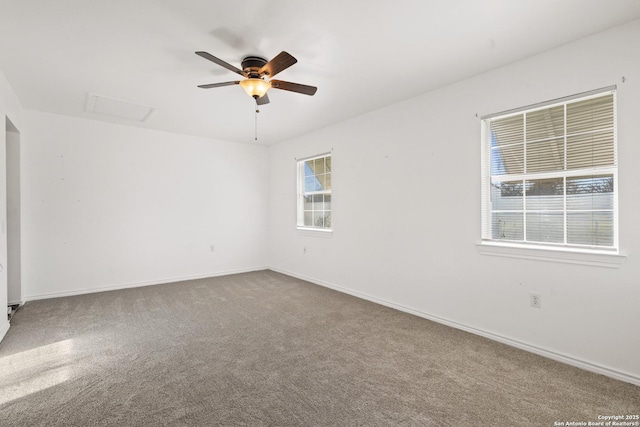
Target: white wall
pixel 14 271
pixel 9 108
pixel 406 200
pixel 107 206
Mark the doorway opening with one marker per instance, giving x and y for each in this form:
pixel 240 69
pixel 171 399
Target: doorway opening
pixel 14 269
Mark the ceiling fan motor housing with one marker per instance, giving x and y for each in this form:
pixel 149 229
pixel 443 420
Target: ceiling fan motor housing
pixel 252 65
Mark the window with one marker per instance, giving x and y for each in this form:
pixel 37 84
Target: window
pixel 314 193
pixel 550 174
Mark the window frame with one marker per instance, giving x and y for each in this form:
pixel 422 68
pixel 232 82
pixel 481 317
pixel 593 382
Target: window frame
pixel 300 195
pixel 564 252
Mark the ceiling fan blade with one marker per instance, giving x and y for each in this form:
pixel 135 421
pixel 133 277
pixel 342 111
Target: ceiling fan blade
pixel 281 62
pixel 264 99
pixel 212 85
pixel 294 87
pixel 220 62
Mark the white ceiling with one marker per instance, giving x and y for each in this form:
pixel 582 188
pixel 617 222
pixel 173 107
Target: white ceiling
pixel 361 54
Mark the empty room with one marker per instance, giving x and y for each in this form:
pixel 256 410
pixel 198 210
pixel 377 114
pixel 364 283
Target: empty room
pixel 296 213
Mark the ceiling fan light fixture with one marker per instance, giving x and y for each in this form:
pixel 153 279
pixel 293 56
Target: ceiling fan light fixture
pixel 254 70
pixel 255 87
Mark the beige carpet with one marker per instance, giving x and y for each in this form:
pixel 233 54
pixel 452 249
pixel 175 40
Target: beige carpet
pixel 264 349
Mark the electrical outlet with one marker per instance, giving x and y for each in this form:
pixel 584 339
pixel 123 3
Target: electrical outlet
pixel 535 300
pixel 212 248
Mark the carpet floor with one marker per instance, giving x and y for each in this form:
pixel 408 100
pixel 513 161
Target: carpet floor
pixel 265 349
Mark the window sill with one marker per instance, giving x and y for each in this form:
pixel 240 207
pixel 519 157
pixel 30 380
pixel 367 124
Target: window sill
pixel 315 232
pixel 563 255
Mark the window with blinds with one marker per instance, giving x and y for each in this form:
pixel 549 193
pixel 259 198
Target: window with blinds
pixel 550 174
pixel 314 193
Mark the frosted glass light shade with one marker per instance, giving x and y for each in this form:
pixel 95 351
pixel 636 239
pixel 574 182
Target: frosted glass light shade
pixel 255 87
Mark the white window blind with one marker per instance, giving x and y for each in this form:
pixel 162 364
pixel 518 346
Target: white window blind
pixel 550 174
pixel 314 192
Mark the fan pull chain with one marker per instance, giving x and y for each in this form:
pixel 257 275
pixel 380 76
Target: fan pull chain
pixel 256 130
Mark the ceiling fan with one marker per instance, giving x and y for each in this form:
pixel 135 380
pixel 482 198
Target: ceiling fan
pixel 258 74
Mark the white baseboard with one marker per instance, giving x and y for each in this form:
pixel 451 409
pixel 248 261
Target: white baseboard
pixel 139 284
pixel 587 366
